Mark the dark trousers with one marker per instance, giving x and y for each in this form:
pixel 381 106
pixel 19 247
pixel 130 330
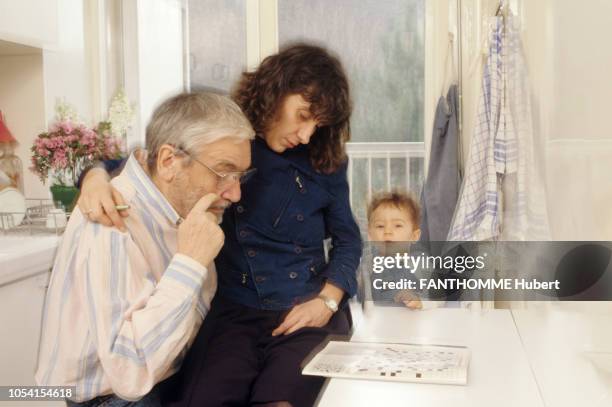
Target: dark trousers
pixel 148 400
pixel 235 361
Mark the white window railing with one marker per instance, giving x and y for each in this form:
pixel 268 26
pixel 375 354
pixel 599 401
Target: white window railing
pixel 380 166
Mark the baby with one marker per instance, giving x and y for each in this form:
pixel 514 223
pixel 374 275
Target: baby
pixel 395 217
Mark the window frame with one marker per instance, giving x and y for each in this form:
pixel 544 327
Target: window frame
pixel 262 41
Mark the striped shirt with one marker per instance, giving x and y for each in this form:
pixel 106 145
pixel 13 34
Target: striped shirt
pixel 122 308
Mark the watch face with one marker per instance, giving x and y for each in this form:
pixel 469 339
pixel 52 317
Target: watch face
pixel 329 303
pixel 333 305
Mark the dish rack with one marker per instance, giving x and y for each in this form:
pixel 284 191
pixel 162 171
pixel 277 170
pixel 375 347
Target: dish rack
pixel 36 219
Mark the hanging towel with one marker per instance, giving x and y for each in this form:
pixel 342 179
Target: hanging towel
pixel 502 196
pixel 441 189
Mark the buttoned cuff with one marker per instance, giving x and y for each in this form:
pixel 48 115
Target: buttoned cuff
pixel 344 278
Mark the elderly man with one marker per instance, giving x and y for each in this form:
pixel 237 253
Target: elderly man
pixel 123 306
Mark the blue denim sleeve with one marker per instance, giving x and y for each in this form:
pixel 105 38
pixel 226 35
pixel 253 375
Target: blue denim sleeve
pixel 341 226
pixel 110 166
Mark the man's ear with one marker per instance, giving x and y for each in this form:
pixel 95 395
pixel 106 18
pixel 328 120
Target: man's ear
pixel 168 163
pixel 416 234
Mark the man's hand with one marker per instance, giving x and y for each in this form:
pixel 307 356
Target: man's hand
pixel 313 313
pixel 98 200
pixel 199 236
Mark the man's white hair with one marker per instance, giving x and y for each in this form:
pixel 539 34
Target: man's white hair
pixel 189 121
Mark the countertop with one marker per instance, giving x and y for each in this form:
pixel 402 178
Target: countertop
pixel 499 372
pixel 22 255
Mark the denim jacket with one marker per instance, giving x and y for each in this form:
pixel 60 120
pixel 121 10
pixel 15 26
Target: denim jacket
pixel 273 257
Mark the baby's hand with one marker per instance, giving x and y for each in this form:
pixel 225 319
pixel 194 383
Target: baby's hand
pixel 409 299
pixel 413 304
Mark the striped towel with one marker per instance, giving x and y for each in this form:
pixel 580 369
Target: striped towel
pixel 502 196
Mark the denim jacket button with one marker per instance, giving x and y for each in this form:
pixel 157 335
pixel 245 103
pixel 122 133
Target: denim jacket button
pixel 243 233
pixel 293 275
pixel 260 279
pixel 312 269
pixel 240 209
pixel 297 249
pixel 300 217
pixel 251 253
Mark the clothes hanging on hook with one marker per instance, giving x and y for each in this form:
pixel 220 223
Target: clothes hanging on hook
pixel 441 188
pixel 502 10
pixel 502 195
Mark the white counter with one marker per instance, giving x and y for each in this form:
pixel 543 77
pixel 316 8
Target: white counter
pixel 570 352
pixel 499 373
pixel 25 264
pixel 24 256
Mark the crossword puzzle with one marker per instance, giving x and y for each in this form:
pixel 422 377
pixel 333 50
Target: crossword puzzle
pixel 392 362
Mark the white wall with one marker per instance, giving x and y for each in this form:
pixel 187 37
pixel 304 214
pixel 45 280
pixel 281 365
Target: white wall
pixel 58 28
pixel 29 22
pixel 153 56
pixel 22 102
pixel 31 85
pixel 71 36
pixel 66 70
pixel 570 58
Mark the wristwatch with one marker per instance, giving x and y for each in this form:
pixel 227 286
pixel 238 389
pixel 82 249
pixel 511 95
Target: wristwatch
pixel 329 302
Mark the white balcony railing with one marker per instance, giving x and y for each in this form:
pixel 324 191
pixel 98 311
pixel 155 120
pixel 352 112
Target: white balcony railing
pixel 377 167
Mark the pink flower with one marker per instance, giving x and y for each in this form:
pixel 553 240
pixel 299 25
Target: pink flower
pixel 59 159
pixel 66 126
pixel 67 143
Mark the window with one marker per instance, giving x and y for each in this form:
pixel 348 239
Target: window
pixel 382 47
pixel 217 43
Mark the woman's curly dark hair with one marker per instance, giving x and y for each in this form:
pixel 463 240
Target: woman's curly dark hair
pixel 317 76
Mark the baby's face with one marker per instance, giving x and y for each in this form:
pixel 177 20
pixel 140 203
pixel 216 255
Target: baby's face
pixel 391 224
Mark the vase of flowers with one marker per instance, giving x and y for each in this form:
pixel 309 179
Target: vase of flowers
pixel 61 153
pixel 64 197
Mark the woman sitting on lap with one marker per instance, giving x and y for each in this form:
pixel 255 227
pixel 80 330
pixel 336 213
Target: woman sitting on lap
pixel 277 298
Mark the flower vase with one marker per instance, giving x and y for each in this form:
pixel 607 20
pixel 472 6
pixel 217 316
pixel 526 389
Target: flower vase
pixel 64 197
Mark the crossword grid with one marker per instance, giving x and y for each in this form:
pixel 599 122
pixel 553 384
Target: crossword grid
pixel 391 362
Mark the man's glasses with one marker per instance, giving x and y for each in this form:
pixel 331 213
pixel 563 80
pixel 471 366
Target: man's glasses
pixel 224 180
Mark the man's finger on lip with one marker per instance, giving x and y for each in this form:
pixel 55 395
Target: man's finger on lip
pixel 205 203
